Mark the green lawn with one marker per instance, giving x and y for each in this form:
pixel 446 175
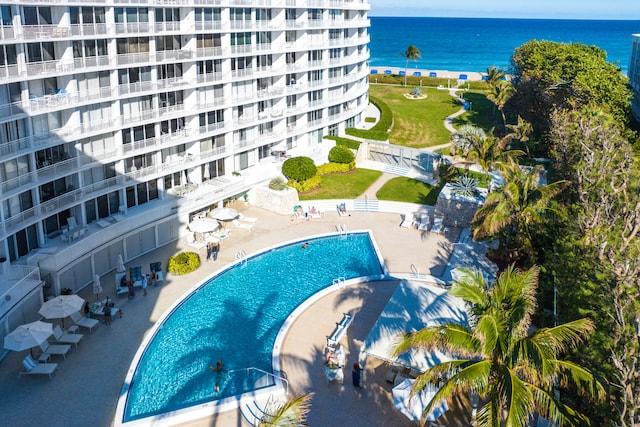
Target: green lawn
pixel 402 189
pixel 343 186
pixel 418 123
pixel 482 113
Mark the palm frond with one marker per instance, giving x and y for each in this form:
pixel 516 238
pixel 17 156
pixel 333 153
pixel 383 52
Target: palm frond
pixel 292 413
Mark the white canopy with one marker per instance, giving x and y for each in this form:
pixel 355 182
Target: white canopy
pixel 413 306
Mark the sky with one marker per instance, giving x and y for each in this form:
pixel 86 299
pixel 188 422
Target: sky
pixel 540 9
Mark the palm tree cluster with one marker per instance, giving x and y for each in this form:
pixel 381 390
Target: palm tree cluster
pixel 515 372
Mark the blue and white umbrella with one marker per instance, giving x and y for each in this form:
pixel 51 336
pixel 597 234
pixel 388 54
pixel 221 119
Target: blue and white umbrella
pixel 412 408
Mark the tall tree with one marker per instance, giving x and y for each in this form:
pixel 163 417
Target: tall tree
pixel 520 132
pixel 499 95
pixel 511 211
pixel 514 373
pixel 495 75
pixel 412 53
pixel 604 202
pixel 488 152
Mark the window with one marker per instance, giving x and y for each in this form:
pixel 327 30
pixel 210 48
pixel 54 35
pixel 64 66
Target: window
pixel 138 133
pixel 21 243
pixel 10 169
pixel 314 14
pixel 6 16
pixel 133 45
pixel 210 66
pixel 211 117
pixel 38 52
pixel 8 55
pixel 312 116
pixel 169 71
pixel 16 204
pixel 37 15
pixel 172 126
pixel 240 39
pixel 134 75
pixel 167 15
pixel 315 55
pixel 131 14
pixel 171 98
pixel 89 48
pixel 240 14
pixel 207 14
pixel 86 15
pixel 291 57
pixel 168 43
pixel 208 41
pixel 291 37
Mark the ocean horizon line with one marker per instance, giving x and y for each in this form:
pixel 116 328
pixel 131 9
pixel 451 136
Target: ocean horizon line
pixel 507 18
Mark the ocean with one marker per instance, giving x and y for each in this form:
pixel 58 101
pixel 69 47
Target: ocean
pixel 474 44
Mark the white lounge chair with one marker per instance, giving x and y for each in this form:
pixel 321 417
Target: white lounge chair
pixel 437 225
pixel 424 223
pixel 32 368
pixel 84 322
pixel 55 349
pixel 66 338
pixel 72 223
pixel 408 221
pixel 247 218
pixel 238 224
pixel 196 244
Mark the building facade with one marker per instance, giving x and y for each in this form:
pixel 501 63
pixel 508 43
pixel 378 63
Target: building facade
pixel 122 118
pixel 634 75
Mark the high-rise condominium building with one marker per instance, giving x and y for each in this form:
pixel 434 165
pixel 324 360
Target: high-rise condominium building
pixel 121 118
pixel 634 74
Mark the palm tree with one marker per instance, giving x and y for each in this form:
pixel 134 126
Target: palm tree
pixel 499 95
pixel 511 211
pixel 488 152
pixel 514 373
pixel 494 75
pixel 292 413
pixel 412 53
pixel 520 132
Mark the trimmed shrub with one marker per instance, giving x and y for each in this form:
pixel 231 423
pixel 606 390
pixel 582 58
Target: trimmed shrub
pixel 347 142
pixel 306 185
pixel 329 168
pixel 380 132
pixel 369 119
pixel 299 168
pixel 183 263
pixel 367 134
pixel 341 154
pixel 278 183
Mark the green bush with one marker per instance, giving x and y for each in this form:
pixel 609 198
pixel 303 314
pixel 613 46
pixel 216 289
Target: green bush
pixel 341 154
pixel 299 168
pixel 278 183
pixel 347 142
pixel 380 132
pixel 306 185
pixel 369 119
pixel 367 134
pixel 329 168
pixel 183 263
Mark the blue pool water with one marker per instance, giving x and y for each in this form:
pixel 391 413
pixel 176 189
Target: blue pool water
pixel 235 316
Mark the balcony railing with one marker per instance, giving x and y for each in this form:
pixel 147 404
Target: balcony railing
pixel 208 25
pixel 41 175
pixel 133 58
pixel 132 27
pixel 206 52
pixel 209 77
pixel 25 280
pixel 153 143
pixel 173 55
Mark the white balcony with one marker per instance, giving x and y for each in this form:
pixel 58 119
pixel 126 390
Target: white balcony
pixel 208 25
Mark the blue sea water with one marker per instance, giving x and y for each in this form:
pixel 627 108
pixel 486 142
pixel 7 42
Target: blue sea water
pixel 474 44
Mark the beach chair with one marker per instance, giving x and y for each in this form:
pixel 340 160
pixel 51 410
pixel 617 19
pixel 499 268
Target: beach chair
pixel 342 209
pixel 71 221
pixel 157 267
pixel 244 225
pixel 437 225
pixel 30 367
pixel 424 223
pixel 247 218
pixel 408 221
pixel 55 349
pixel 66 338
pixel 84 322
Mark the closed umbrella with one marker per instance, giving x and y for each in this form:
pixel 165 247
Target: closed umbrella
pixel 28 336
pixel 412 408
pixel 224 214
pixel 97 288
pixel 61 307
pixel 120 267
pixel 203 225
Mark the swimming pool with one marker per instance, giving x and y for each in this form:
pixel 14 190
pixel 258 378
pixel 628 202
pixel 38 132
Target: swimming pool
pixel 236 316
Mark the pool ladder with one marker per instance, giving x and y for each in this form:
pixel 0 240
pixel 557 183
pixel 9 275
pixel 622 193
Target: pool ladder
pixel 241 256
pixel 342 229
pixel 339 281
pixel 415 272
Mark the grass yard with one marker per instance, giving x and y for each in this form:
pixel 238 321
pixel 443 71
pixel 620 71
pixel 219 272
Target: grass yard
pixel 481 114
pixel 343 186
pixel 418 123
pixel 402 189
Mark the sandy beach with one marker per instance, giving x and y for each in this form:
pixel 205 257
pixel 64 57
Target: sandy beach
pixel 470 75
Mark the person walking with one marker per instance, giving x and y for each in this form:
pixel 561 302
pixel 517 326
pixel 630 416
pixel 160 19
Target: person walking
pixel 209 250
pixel 144 285
pixel 107 313
pixel 214 250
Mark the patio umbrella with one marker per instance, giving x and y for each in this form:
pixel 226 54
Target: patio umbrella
pixel 28 336
pixel 97 289
pixel 120 267
pixel 61 307
pixel 412 407
pixel 203 225
pixel 224 214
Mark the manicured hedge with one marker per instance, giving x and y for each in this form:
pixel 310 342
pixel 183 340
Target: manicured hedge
pixel 183 263
pixel 341 154
pixel 329 168
pixel 299 168
pixel 380 132
pixel 347 142
pixel 306 185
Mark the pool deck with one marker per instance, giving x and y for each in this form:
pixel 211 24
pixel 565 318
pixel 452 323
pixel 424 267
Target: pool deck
pixel 85 388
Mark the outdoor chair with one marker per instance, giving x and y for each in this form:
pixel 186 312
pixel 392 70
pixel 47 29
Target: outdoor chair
pixel 408 221
pixel 437 225
pixel 245 225
pixel 84 322
pixel 66 338
pixel 55 349
pixel 32 368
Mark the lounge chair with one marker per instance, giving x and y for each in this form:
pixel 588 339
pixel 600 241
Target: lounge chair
pixel 437 225
pixel 424 223
pixel 32 368
pixel 314 213
pixel 342 209
pixel 55 349
pixel 245 225
pixel 196 244
pixel 72 222
pixel 246 218
pixel 66 338
pixel 408 221
pixel 135 274
pixel 84 322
